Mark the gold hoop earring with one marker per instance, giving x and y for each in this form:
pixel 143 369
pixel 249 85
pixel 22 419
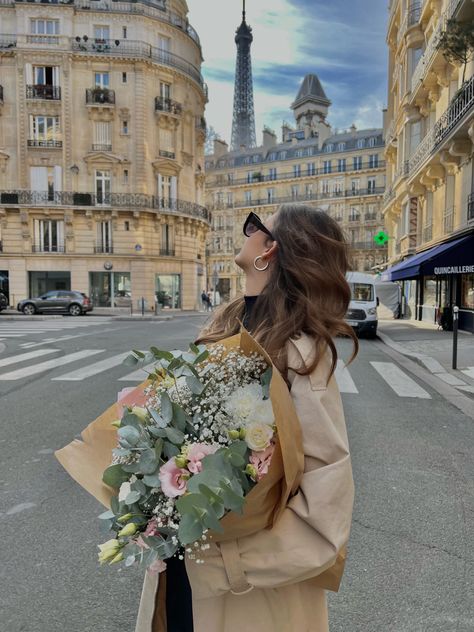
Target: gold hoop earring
pixel 255 264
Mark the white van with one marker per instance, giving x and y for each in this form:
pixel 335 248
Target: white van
pixel 362 312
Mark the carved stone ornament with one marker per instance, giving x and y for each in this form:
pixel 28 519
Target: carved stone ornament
pixel 166 166
pixel 187 158
pixel 104 160
pixel 3 161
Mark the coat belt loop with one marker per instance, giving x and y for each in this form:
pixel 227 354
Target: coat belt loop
pixel 231 558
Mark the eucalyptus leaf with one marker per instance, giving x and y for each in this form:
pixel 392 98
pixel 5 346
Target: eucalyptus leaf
pixel 232 501
pixel 157 418
pixel 115 476
pixel 158 449
pixel 148 462
pixel 166 408
pixel 115 505
pixel 139 486
pixel 107 515
pixel 190 529
pixel 161 355
pixel 129 419
pixel 194 385
pixel 170 450
pixel 130 560
pixel 174 435
pixel 130 434
pixel 152 480
pixel 132 468
pixel 132 497
pixel 179 417
pixel 201 357
pixel 265 380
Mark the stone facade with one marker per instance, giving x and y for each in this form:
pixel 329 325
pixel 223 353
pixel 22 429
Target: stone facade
pixel 340 172
pixel 102 151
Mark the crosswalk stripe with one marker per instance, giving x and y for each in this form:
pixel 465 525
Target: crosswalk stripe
pixel 399 381
pixel 91 369
pixel 49 364
pixel 139 375
pixel 344 380
pixel 25 356
pixel 469 371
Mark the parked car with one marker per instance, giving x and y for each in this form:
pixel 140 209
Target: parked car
pixel 3 301
pixel 123 298
pixel 56 302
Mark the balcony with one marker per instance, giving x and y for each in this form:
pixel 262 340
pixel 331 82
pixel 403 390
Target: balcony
pixel 40 91
pixel 45 143
pixel 137 49
pixel 100 96
pixel 7 42
pixel 366 245
pixel 448 220
pixel 103 249
pixel 370 217
pixel 43 40
pixel 164 153
pixel 48 248
pixel 201 124
pixel 470 207
pixel 168 106
pixel 414 14
pixel 167 252
pixel 136 201
pixel 354 218
pixel 101 147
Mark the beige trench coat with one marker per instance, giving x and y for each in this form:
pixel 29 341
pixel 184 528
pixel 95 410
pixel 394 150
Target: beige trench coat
pixel 263 581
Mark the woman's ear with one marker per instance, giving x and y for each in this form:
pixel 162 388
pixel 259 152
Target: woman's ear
pixel 271 251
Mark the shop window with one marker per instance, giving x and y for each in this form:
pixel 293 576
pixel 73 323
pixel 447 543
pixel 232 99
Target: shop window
pixel 467 291
pixel 168 291
pixel 110 289
pixel 42 282
pixel 429 290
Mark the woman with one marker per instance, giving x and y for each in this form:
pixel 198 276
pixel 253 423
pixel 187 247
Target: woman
pixel 295 301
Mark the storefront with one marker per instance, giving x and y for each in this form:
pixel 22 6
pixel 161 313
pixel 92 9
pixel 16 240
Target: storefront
pixel 110 289
pixel 168 291
pixel 42 282
pixel 4 287
pixel 435 280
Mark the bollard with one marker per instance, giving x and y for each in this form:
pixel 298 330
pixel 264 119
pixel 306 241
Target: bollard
pixel 143 306
pixel 455 336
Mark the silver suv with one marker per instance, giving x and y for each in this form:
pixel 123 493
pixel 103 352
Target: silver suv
pixel 56 302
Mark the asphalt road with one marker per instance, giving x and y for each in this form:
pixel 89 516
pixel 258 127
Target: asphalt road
pixel 410 563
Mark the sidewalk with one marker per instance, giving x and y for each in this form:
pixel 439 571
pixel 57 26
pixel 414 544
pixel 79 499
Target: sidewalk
pixel 432 348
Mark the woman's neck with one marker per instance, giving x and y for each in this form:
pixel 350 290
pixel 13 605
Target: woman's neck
pixel 254 285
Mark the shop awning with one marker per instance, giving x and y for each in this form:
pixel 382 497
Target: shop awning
pixel 451 257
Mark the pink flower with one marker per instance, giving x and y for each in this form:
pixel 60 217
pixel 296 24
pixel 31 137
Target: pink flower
pixel 261 460
pixel 151 528
pixel 196 453
pixel 158 566
pixel 171 477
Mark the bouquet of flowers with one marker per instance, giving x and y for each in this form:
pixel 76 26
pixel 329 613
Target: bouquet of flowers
pixel 209 446
pixel 203 437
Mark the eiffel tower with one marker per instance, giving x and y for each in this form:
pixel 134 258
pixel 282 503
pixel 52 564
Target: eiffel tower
pixel 243 121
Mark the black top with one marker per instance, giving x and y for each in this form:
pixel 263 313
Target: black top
pixel 249 303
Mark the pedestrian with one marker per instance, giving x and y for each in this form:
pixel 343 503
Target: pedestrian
pixel 296 297
pixel 209 301
pixel 204 301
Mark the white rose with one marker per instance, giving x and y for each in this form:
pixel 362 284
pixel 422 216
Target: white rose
pixel 125 489
pixel 258 436
pixel 263 412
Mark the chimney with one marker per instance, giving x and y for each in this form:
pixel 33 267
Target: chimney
pixel 220 147
pixel 285 130
pixel 353 128
pixel 269 138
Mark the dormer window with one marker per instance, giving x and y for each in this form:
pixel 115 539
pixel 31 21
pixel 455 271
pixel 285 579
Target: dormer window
pixel 341 146
pixel 361 143
pixel 371 141
pixel 255 158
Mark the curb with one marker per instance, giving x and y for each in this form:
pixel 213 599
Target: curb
pixel 141 319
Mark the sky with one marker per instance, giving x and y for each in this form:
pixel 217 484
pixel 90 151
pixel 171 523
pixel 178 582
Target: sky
pixel 341 41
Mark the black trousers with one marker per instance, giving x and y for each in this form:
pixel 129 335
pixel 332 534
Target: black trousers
pixel 179 608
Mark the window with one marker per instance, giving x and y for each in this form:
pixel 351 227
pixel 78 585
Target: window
pixel 49 235
pixel 329 147
pixel 467 291
pixel 270 195
pixel 168 291
pixel 230 178
pixel 124 32
pixel 282 155
pixel 272 156
pixel 45 182
pixel 361 143
pixel 248 197
pixel 273 173
pixel 166 141
pixel 299 153
pixel 124 127
pixel 164 43
pixel 354 214
pixel 294 191
pixel 338 187
pixel 102 136
pixel 309 191
pixel 44 27
pixel 104 237
pixel 341 146
pixel 325 186
pixel 101 79
pixel 255 158
pixel 372 141
pixel 371 185
pixel 125 176
pixel 415 136
pixel 249 176
pixel 102 187
pixel 229 244
pixel 296 171
pixel 357 163
pixel 44 128
pixel 373 161
pixel 165 90
pixel 126 226
pixel 42 80
pixel 355 186
pixel 230 199
pixel 246 160
pixel 101 33
pixel 124 77
pixel 311 169
pixel 167 240
pixel 416 54
pixel 167 190
pixel 341 164
pixel 327 166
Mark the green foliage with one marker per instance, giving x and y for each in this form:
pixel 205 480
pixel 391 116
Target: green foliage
pixel 456 42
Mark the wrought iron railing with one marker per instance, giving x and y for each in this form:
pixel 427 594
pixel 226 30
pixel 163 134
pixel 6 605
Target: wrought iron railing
pixel 201 123
pixel 164 153
pixel 167 252
pixel 221 180
pixel 7 41
pixel 162 104
pixel 48 40
pixel 101 147
pixel 448 220
pixel 41 91
pixel 296 198
pixel 470 206
pixel 53 248
pixel 138 49
pixel 370 216
pixel 100 96
pixel 47 143
pixel 366 245
pixel 119 200
pixel 103 249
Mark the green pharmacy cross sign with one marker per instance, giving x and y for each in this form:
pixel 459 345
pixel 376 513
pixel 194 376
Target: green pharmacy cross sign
pixel 381 238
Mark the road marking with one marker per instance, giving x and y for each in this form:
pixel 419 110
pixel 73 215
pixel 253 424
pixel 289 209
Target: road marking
pixel 91 369
pixel 399 381
pixel 50 364
pixel 469 372
pixel 48 341
pixel 20 507
pixel 25 356
pixel 450 379
pixel 344 379
pixel 139 375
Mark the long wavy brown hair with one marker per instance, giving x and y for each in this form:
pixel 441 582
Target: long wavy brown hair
pixel 307 291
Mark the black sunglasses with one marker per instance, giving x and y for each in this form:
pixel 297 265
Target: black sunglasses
pixel 254 223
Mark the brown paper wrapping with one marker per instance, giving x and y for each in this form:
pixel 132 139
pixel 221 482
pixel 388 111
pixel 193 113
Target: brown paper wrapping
pixel 86 461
